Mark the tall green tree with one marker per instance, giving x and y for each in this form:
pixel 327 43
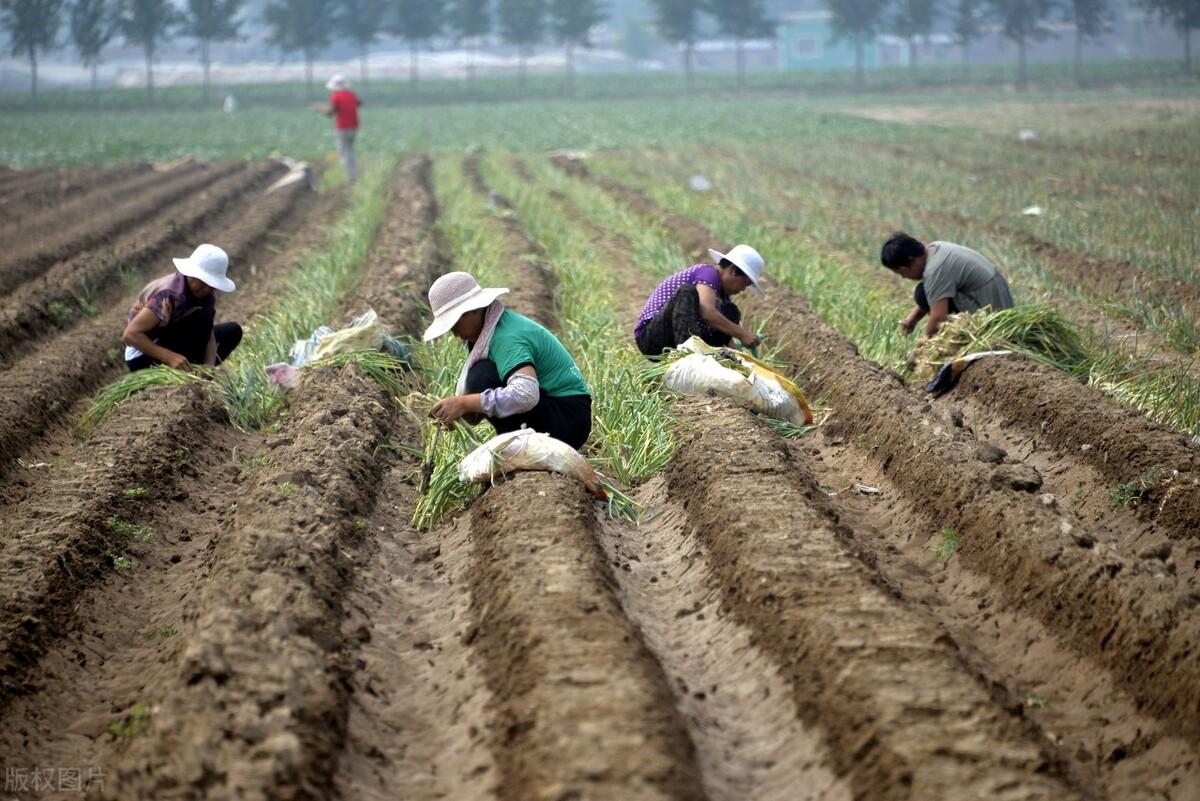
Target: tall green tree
pixel 470 21
pixel 1092 19
pixel 678 22
pixel 32 26
pixel 571 23
pixel 417 21
pixel 93 25
pixel 742 19
pixel 914 21
pixel 859 21
pixel 1184 16
pixel 967 25
pixel 211 21
pixel 304 26
pixel 1023 21
pixel 147 24
pixel 362 21
pixel 522 24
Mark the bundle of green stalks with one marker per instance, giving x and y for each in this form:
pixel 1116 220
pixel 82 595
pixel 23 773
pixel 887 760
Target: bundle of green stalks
pixel 388 371
pixel 106 401
pixel 1038 330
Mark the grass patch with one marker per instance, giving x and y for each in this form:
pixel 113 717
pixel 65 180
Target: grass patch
pixel 131 725
pixel 946 545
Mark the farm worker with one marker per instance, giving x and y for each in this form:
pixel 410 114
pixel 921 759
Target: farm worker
pixel 950 279
pixel 517 373
pixel 343 107
pixel 698 302
pixel 171 322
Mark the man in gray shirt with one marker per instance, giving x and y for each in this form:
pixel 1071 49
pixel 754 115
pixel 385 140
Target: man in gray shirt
pixel 950 278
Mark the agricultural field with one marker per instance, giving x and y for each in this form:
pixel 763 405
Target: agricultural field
pixel 212 590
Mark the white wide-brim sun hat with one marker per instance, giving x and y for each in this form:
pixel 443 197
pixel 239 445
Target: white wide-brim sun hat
pixel 746 259
pixel 337 82
pixel 209 264
pixel 452 296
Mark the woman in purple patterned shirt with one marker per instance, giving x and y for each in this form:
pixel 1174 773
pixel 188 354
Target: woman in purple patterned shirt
pixel 698 301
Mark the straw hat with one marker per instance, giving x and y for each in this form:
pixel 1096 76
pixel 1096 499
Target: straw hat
pixel 337 83
pixel 452 296
pixel 746 259
pixel 208 263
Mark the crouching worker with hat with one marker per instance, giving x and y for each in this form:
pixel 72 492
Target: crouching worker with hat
pixel 517 373
pixel 698 302
pixel 172 321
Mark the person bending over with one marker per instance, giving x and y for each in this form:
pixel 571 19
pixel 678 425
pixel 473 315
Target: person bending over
pixel 950 279
pixel 698 302
pixel 517 373
pixel 172 320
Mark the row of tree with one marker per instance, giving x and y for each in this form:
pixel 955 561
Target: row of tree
pixel 307 27
pixel 861 21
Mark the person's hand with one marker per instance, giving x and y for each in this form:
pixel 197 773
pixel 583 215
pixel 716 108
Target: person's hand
pixel 447 410
pixel 177 361
pixel 751 340
pixel 907 326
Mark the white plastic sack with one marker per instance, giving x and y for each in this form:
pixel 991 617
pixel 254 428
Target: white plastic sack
pixel 527 449
pixel 700 373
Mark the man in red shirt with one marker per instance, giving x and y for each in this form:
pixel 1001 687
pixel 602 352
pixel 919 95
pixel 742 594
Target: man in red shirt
pixel 343 107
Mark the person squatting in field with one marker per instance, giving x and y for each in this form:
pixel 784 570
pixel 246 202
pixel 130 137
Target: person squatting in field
pixel 343 106
pixel 172 320
pixel 698 301
pixel 950 279
pixel 517 373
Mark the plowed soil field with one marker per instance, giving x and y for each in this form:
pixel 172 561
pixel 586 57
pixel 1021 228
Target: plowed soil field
pixel 785 623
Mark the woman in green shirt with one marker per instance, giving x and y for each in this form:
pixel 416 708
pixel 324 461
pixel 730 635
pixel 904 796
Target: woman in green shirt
pixel 517 373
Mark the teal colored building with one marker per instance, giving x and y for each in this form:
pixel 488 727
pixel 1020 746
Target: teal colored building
pixel 804 44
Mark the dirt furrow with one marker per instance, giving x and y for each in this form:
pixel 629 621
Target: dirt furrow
pixel 533 288
pixel 73 238
pixel 1110 748
pixel 580 707
pixel 55 299
pixel 59 543
pixel 40 389
pixel 70 183
pixel 253 703
pixel 93 220
pixel 738 705
pixel 1083 426
pixel 902 715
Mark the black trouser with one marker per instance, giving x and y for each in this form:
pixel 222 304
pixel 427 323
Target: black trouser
pixel 679 320
pixel 923 301
pixel 188 337
pixel 568 418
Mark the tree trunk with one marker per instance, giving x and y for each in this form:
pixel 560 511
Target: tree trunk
pixel 33 77
pixel 521 68
pixel 570 56
pixel 1022 67
pixel 912 54
pixel 95 85
pixel 1078 57
pixel 471 62
pixel 741 66
pixel 413 73
pixel 207 62
pixel 149 72
pixel 362 62
pixel 1187 50
pixel 859 76
pixel 687 66
pixel 966 62
pixel 308 72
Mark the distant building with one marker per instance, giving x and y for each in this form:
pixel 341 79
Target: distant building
pixel 804 44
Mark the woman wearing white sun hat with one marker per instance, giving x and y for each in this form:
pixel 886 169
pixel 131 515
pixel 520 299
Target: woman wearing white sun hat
pixel 172 320
pixel 517 373
pixel 698 302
